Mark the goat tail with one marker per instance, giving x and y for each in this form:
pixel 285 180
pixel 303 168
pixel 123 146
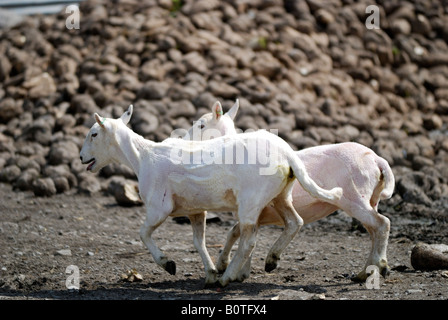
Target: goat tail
pixel 387 177
pixel 309 184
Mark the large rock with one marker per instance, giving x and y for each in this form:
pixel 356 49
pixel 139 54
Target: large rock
pixel 429 257
pixel 415 187
pixel 40 86
pixel 10 173
pixel 5 68
pixel 63 152
pixel 26 179
pixel 88 183
pixel 153 90
pixel 44 187
pixel 125 192
pixel 9 109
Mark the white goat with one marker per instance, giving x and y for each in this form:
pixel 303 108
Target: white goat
pixel 214 124
pixel 365 178
pixel 171 184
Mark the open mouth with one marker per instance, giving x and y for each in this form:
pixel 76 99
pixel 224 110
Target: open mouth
pixel 91 162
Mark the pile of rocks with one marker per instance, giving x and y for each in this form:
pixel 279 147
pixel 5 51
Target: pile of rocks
pixel 311 69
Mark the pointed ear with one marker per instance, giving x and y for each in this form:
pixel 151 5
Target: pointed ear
pixel 217 110
pixel 232 112
pixel 127 115
pixel 99 120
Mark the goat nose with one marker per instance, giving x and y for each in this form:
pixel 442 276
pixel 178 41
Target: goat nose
pixel 80 158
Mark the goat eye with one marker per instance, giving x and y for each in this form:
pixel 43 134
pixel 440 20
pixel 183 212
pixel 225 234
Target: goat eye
pixel 94 135
pixel 202 126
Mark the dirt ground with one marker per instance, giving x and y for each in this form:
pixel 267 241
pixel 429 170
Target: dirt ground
pixel 41 237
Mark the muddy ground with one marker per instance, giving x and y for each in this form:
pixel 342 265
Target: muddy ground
pixel 41 237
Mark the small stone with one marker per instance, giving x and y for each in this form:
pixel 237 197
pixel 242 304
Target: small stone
pixel 290 294
pixel 132 276
pixel 63 252
pixel 413 291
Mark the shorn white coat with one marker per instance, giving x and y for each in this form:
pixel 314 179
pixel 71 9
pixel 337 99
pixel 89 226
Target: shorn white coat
pixel 364 177
pixel 173 182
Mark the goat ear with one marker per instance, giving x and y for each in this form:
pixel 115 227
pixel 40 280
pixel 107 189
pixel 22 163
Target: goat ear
pixel 232 112
pixel 99 120
pixel 127 115
pixel 217 110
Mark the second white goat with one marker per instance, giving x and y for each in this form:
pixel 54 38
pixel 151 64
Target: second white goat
pixel 365 178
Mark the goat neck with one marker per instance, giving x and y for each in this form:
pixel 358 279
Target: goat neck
pixel 132 147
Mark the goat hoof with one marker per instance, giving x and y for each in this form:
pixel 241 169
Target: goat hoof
pixel 385 271
pixel 269 266
pixel 170 266
pixel 221 269
pixel 241 278
pixel 358 278
pixel 212 285
pixel 211 278
pixel 221 283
